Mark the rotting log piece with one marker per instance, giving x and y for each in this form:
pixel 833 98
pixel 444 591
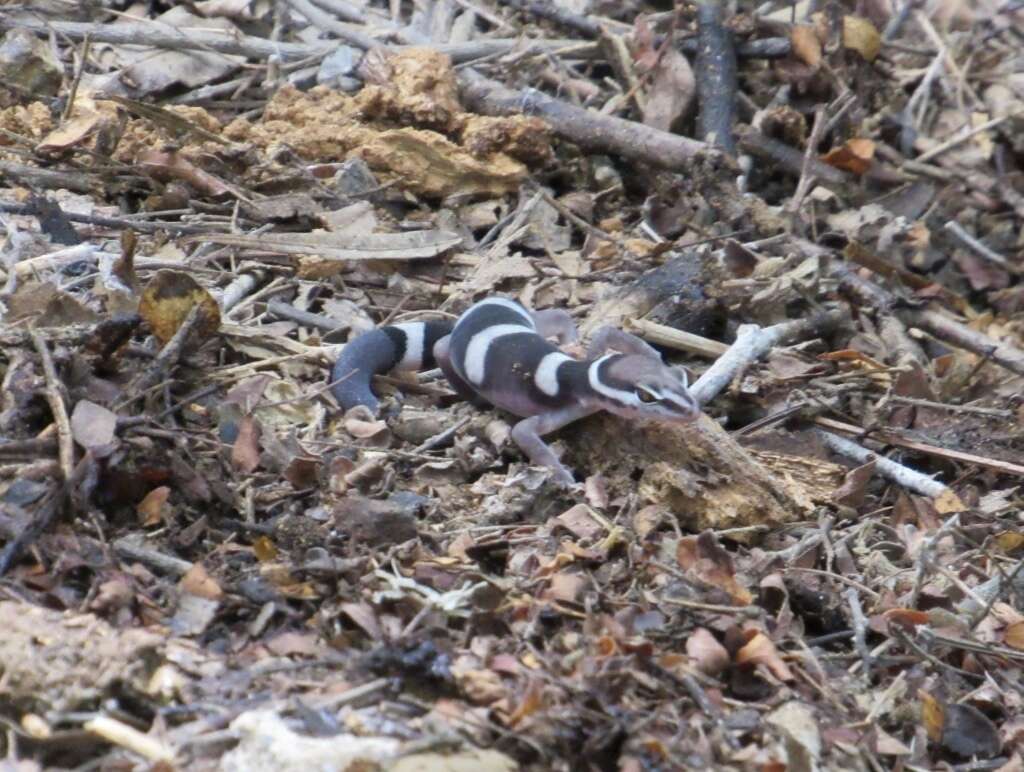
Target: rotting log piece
pixel 697 471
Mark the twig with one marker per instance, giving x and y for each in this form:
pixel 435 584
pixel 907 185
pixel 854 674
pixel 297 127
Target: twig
pixel 167 357
pixel 680 340
pixel 328 23
pixel 894 438
pixel 591 131
pixel 118 222
pixel 120 734
pixel 925 556
pixel 543 9
pixel 789 158
pixel 860 629
pixel 964 136
pixel 132 548
pixel 941 326
pixel 977 247
pixel 165 36
pixel 991 590
pixel 807 178
pixel 432 442
pixel 715 70
pixel 753 342
pixel 989 411
pixel 65 443
pixel 950 331
pixel 901 475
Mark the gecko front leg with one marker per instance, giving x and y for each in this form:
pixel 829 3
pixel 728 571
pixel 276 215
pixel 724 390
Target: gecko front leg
pixel 528 432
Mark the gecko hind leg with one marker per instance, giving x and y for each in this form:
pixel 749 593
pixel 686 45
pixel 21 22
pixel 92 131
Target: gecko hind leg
pixel 442 356
pixel 556 323
pixel 605 338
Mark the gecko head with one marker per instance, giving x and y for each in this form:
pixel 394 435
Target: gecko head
pixel 636 386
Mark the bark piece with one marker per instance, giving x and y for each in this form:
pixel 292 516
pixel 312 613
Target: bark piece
pixel 698 471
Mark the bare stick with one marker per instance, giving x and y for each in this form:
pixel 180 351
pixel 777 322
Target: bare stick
pixel 65 445
pixel 716 76
pixel 960 335
pixel 860 629
pixel 120 734
pixel 133 548
pixel 894 438
pixel 899 474
pixel 591 131
pixel 328 23
pixel 165 36
pixel 807 179
pixel 927 554
pixel 789 158
pixel 940 325
pixel 753 342
pixel 977 247
pixel 680 340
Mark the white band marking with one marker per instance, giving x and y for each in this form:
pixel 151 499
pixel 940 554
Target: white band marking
pixel 626 398
pixel 412 359
pixel 511 305
pixel 546 377
pixel 479 344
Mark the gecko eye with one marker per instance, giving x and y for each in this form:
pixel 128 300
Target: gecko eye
pixel 647 397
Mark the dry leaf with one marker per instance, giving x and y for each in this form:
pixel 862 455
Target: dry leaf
pixel 264 549
pixel 1013 635
pixel 671 92
pixel 532 701
pixel 759 650
pixel 947 502
pixel 805 44
pixel 1009 541
pixel 153 509
pixel 860 35
pixel 92 425
pixel 167 301
pixel 198 582
pixel 933 716
pixel 855 155
pixel 245 453
pixel 707 654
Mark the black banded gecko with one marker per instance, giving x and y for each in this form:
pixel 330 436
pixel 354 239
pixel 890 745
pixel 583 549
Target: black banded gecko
pixel 499 351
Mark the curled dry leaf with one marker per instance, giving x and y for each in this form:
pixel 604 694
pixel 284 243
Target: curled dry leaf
pixel 672 91
pixel 855 155
pixel 88 119
pixel 805 44
pixel 933 715
pixel 706 653
pixel 532 701
pixel 705 558
pixel 197 581
pixel 481 687
pixel 860 35
pixel 1013 635
pixel 968 733
pixel 264 549
pixel 759 650
pixel 167 300
pixel 154 508
pixel 245 453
